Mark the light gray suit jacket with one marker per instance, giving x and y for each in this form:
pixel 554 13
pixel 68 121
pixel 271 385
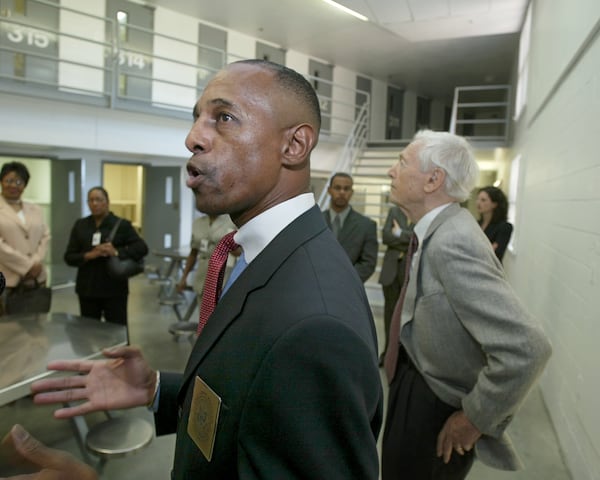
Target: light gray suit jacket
pixel 468 334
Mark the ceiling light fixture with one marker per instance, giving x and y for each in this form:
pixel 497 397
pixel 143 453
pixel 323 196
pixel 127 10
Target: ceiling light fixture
pixel 347 10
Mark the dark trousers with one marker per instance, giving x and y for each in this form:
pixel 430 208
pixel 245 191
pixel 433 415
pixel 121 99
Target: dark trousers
pixel 391 293
pixel 114 309
pixel 414 419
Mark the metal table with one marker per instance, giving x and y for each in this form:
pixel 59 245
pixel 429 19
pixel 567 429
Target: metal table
pixel 29 342
pixel 176 258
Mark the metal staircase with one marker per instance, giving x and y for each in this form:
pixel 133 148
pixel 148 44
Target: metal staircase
pixel 371 196
pixel 482 114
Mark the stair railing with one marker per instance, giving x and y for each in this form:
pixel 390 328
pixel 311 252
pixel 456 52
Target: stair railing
pixel 353 146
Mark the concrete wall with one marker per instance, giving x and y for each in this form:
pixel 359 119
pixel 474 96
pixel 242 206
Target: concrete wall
pixel 556 265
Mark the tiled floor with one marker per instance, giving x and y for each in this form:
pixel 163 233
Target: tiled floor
pixel 531 431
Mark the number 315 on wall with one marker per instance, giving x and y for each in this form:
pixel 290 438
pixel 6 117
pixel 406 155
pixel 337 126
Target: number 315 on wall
pixel 29 36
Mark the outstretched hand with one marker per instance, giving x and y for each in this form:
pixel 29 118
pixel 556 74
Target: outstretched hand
pixel 23 452
pixel 123 380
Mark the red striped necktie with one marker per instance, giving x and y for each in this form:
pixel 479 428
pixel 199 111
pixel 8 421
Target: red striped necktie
pixel 213 282
pixel 391 355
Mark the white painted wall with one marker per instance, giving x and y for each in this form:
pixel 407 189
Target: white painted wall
pixel 556 267
pixel 184 27
pixel 240 46
pixel 343 95
pixel 90 51
pixel 297 61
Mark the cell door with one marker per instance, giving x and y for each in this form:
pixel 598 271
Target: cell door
pixel 395 106
pixel 322 77
pixel 134 36
pixel 423 113
pixel 270 53
pixel 161 212
pixel 29 42
pixel 363 93
pixel 212 47
pixel 65 205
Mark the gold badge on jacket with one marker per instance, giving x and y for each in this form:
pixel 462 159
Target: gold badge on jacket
pixel 204 416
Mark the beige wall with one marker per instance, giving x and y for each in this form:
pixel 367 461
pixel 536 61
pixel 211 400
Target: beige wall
pixel 556 266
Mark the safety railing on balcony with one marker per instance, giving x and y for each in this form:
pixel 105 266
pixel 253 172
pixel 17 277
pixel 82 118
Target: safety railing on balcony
pixel 482 113
pixel 86 59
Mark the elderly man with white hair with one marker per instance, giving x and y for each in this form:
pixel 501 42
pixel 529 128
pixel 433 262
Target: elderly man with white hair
pixel 463 351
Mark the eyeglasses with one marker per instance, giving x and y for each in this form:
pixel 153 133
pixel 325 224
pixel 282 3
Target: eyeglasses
pixel 14 181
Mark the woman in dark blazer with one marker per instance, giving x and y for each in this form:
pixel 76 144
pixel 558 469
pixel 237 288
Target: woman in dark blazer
pixel 492 206
pixel 89 249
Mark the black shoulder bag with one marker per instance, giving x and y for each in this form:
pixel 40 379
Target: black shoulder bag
pixel 122 268
pixel 28 299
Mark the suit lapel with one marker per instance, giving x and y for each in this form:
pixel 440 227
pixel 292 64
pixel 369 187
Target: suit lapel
pixel 348 226
pixel 255 276
pixel 408 307
pixel 12 214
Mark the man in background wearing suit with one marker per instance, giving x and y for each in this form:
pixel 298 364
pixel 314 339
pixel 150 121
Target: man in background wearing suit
pixel 469 351
pixel 396 234
pixel 290 351
pixel 355 232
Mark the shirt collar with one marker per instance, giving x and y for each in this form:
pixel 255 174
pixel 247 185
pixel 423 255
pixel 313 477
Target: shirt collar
pixel 343 214
pixel 425 222
pixel 258 232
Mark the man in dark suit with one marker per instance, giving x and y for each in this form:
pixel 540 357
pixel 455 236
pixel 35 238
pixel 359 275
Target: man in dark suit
pixel 283 380
pixel 396 235
pixel 468 350
pixel 355 232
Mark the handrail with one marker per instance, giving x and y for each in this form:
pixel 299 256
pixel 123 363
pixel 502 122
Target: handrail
pixel 84 69
pixel 353 146
pixel 484 119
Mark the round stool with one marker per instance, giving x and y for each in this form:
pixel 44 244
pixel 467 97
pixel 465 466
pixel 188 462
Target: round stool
pixel 118 437
pixel 181 329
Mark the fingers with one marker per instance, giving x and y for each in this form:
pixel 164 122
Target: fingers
pixel 62 383
pixel 80 366
pixel 60 396
pixel 55 463
pixel 29 448
pixel 444 447
pixel 447 449
pixel 124 352
pixel 74 411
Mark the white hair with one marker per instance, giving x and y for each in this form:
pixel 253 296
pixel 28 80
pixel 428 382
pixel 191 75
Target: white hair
pixel 454 155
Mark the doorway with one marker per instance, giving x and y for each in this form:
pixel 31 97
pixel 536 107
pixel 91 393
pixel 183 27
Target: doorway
pixel 134 26
pixel 395 107
pixel 124 184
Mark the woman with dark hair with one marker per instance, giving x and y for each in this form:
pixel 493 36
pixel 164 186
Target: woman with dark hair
pixel 24 234
pixel 89 248
pixel 492 206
